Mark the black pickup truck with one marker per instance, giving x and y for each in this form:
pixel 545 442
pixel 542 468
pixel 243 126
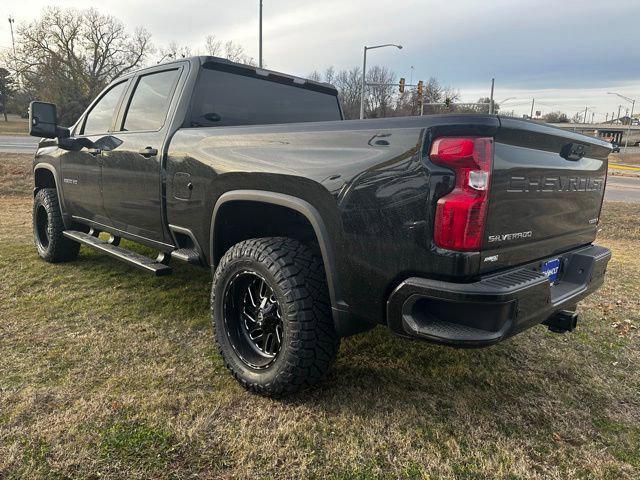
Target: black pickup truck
pixel 456 229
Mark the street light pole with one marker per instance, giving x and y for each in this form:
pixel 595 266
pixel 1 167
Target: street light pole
pixel 493 81
pixel 533 102
pixel 13 41
pixel 633 104
pixel 260 41
pixel 364 72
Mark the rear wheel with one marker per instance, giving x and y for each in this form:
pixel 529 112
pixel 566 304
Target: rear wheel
pixel 48 227
pixel 272 315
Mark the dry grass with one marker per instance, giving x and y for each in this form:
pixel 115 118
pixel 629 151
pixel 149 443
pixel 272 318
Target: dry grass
pixel 16 176
pixel 107 372
pixel 629 158
pixel 14 126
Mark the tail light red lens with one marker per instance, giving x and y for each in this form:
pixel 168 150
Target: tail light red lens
pixel 461 214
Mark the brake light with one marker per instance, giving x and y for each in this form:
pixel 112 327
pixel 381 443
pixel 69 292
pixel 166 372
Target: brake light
pixel 461 214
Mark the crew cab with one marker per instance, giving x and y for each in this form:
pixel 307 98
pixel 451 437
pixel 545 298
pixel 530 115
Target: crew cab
pixel 456 229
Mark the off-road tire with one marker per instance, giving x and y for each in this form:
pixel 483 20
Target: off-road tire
pixel 52 246
pixel 309 341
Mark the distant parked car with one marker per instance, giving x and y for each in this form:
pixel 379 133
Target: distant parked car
pixel 616 147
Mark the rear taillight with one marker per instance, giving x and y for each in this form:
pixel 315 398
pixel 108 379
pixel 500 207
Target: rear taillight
pixel 461 214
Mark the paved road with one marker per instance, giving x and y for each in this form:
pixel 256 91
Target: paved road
pixel 623 189
pixel 18 144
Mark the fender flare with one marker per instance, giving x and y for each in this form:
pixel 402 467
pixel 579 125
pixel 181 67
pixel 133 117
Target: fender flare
pixel 294 203
pixel 52 169
pixel 56 180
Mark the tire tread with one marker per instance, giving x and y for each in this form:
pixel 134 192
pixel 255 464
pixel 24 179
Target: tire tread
pixel 60 248
pixel 313 341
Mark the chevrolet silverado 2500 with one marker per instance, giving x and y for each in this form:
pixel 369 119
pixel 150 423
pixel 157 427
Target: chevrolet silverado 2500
pixel 456 229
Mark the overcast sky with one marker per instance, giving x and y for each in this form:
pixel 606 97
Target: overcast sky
pixel 565 53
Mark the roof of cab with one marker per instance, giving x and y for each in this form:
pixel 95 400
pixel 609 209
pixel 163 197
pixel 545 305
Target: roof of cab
pixel 202 61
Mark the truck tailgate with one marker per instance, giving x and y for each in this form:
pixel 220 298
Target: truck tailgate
pixel 546 192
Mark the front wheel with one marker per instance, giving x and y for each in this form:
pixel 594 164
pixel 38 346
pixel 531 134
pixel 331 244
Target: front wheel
pixel 48 226
pixel 272 316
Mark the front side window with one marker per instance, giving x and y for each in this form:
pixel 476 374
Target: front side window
pixel 150 102
pixel 99 118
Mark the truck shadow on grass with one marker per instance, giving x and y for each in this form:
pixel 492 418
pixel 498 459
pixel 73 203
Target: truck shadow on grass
pixel 531 375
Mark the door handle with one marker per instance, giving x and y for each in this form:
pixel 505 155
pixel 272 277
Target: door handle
pixel 148 152
pixel 94 151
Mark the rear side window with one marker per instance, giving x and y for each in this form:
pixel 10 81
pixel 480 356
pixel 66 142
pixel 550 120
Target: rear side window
pixel 150 101
pixel 222 99
pixel 99 118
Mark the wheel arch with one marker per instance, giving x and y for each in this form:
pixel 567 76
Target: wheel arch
pixel 45 176
pixel 302 207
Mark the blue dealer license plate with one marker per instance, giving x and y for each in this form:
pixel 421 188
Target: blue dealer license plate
pixel 551 269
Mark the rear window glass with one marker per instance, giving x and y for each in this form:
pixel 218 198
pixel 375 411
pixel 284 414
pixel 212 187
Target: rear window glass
pixel 223 99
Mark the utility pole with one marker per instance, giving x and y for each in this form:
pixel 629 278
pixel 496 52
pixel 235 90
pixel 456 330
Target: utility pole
pixel 633 104
pixel 593 114
pixel 493 81
pixel 626 140
pixel 606 119
pixel 260 34
pixel 13 41
pixel 619 107
pixel 533 102
pixel 584 120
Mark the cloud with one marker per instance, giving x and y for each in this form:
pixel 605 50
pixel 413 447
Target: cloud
pixel 531 45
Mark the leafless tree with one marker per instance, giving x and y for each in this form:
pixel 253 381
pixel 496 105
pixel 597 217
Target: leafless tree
pixel 229 50
pixel 348 83
pixel 213 46
pixel 315 76
pixel 235 52
pixel 67 56
pixel 7 88
pixel 556 117
pixel 329 75
pixel 383 98
pixel 174 50
pixel 379 92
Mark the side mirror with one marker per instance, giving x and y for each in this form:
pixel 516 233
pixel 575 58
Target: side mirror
pixel 43 120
